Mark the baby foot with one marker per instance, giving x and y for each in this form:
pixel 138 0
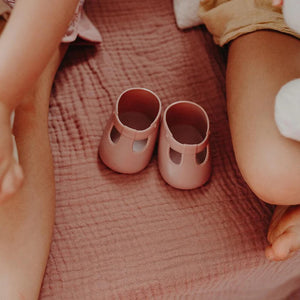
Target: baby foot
pixel 11 174
pixel 284 233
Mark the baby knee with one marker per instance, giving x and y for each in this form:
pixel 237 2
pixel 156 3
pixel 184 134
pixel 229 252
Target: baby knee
pixel 275 180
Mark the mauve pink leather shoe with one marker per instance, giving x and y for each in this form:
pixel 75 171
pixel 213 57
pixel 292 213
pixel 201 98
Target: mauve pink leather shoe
pixel 183 151
pixel 130 135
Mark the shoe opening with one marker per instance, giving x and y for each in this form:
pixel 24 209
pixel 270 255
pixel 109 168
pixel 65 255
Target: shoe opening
pixel 139 146
pixel 175 156
pixel 138 108
pixel 187 123
pixel 114 135
pixel 201 156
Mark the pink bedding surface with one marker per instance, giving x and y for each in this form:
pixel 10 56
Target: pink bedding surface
pixel 133 236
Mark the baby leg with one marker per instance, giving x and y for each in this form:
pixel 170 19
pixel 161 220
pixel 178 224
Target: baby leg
pixel 259 64
pixel 11 175
pixel 26 220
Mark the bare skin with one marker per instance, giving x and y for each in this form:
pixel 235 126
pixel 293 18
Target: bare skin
pixel 259 64
pixel 27 218
pixel 284 233
pixel 24 54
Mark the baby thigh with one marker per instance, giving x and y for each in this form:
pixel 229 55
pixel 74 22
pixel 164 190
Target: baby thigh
pixel 26 220
pixel 259 64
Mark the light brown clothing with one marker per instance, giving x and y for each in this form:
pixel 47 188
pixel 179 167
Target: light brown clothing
pixel 228 19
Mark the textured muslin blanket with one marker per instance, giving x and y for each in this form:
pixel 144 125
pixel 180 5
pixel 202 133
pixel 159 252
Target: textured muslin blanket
pixel 133 236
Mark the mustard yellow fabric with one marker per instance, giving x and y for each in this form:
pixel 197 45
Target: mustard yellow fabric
pixel 229 19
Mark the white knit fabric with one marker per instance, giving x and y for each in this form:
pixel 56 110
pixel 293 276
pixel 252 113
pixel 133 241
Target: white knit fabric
pixel 287 102
pixel 287 110
pixel 291 13
pixel 186 13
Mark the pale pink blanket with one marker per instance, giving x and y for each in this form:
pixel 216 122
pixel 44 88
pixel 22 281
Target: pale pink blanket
pixel 133 236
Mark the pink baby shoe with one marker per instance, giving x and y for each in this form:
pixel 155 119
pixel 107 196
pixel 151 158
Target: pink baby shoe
pixel 130 135
pixel 183 151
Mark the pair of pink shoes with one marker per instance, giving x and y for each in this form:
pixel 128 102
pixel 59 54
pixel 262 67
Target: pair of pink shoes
pixel 130 136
